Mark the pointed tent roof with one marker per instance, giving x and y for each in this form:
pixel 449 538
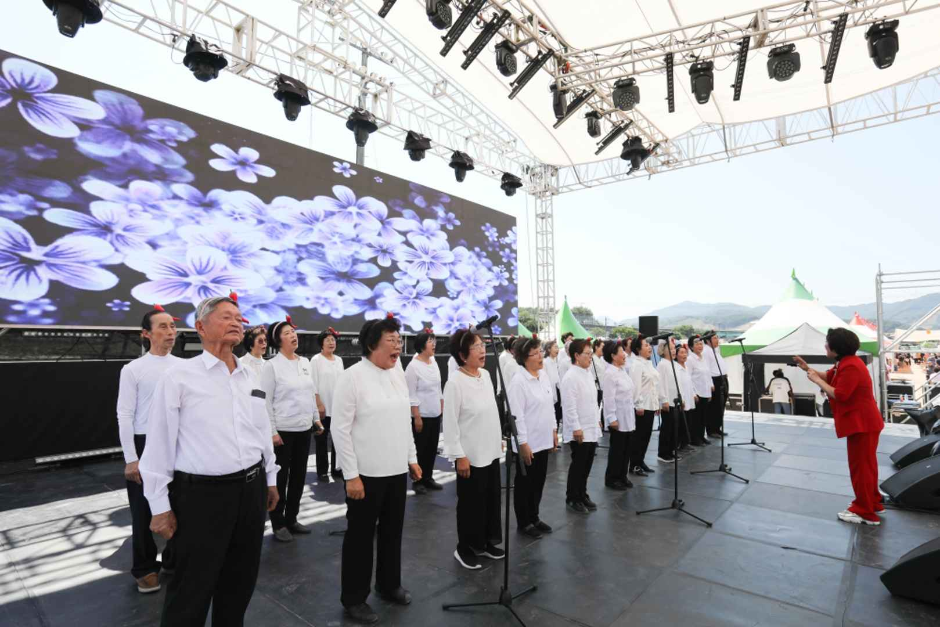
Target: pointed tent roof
pixel 523 331
pixel 566 322
pixel 858 321
pixel 796 289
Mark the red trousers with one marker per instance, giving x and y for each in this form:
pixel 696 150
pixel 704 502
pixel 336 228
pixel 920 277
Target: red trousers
pixel 863 468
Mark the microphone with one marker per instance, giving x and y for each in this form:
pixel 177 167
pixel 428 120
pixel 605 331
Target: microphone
pixel 738 339
pixel 486 324
pixel 661 336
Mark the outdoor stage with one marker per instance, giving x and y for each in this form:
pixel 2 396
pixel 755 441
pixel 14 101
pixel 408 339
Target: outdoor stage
pixel 776 555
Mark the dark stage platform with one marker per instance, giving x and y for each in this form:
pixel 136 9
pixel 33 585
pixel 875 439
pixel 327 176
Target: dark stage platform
pixel 776 555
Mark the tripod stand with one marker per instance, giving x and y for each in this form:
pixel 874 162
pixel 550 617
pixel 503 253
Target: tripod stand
pixel 751 386
pixel 506 597
pixel 677 503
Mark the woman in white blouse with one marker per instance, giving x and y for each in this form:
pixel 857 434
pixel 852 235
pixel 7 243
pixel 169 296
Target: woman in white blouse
pixel 581 417
pixel 688 397
pixel 326 366
pixel 427 405
pixel 646 400
pixel 532 399
pixel 619 415
pixel 668 394
pixel 551 368
pixel 290 396
pixel 473 439
pixel 702 386
pixel 372 432
pixel 255 344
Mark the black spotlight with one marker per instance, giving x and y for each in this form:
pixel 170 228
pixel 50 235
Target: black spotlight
pixel 416 144
pixel 462 163
pixel 439 13
pixel 702 74
pixel 73 14
pixel 634 152
pixel 594 123
pixel 510 183
pixel 506 58
pixel 559 101
pixel 783 62
pixel 362 124
pixel 883 43
pixel 626 94
pixel 293 95
pixel 204 65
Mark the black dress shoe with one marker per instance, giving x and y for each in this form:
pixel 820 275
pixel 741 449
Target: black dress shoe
pixel 639 472
pixel 419 488
pixel 576 506
pixel 588 503
pixel 299 528
pixel 646 468
pixel 531 531
pixel 362 613
pixel 431 484
pixel 543 527
pixel 324 478
pixel 398 597
pixel 627 482
pixel 616 485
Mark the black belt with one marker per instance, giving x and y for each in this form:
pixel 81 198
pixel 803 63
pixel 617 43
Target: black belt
pixel 242 476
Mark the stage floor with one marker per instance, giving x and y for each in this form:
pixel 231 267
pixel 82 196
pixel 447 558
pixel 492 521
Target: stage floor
pixel 776 554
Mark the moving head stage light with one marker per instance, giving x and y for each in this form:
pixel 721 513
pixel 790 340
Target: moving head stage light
pixel 634 152
pixel 462 163
pixel 204 65
pixel 506 58
pixel 293 95
pixel 71 15
pixel 439 13
pixel 510 183
pixel 416 144
pixel 626 94
pixel 702 75
pixel 883 43
pixel 362 124
pixel 783 62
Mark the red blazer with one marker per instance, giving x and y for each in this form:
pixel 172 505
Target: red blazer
pixel 853 407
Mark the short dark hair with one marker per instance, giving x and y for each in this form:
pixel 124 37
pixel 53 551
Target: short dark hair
pixel 274 334
pixel 510 343
pixel 421 340
pixel 147 324
pixel 251 335
pixel 610 349
pixel 524 346
pixel 842 342
pixel 597 342
pixel 460 343
pixel 692 339
pixel 576 347
pixel 322 335
pixel 779 372
pixel 637 343
pixel 372 331
pixel 565 336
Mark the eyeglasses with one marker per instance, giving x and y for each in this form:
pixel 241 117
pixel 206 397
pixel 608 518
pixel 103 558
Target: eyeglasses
pixel 394 341
pixel 479 346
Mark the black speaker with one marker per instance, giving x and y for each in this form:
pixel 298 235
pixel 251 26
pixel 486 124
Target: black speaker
pixel 917 486
pixel 649 325
pixel 917 574
pixel 914 451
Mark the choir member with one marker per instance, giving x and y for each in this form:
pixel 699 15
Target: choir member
pixel 598 365
pixel 715 420
pixel 551 367
pixel 668 393
pixel 427 406
pixel 702 386
pixel 473 439
pixel 209 474
pixel 507 359
pixel 619 413
pixel 255 345
pixel 135 395
pixel 581 418
pixel 646 400
pixel 372 433
pixel 564 363
pixel 326 366
pixel 290 396
pixel 532 400
pixel 687 388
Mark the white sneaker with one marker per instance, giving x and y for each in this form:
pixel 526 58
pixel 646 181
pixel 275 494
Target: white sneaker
pixel 855 519
pixel 663 460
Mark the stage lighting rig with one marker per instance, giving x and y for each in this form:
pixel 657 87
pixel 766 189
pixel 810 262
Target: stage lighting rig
pixel 293 94
pixel 626 94
pixel 462 163
pixel 702 75
pixel 559 101
pixel 416 144
pixel 71 15
pixel 593 123
pixel 739 71
pixel 579 101
pixel 204 65
pixel 506 58
pixel 386 7
pixel 439 13
pixel 534 65
pixel 488 32
pixel 783 62
pixel 618 130
pixel 838 32
pixel 510 183
pixel 883 43
pixel 634 152
pixel 466 16
pixel 362 124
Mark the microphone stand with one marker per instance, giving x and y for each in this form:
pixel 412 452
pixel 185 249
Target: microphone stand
pixel 751 384
pixel 722 466
pixel 506 597
pixel 677 503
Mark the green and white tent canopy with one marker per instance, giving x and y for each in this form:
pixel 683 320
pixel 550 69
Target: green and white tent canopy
pixel 566 322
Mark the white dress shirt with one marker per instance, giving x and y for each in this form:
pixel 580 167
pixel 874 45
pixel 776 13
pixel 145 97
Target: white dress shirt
pixel 668 392
pixel 371 425
pixel 599 369
pixel 424 387
pixel 701 379
pixel 290 393
pixel 471 419
pixel 254 365
pixel 686 386
pixel 451 366
pixel 532 400
pixel 204 421
pixel 564 365
pixel 645 385
pixel 579 408
pixel 508 363
pixel 325 374
pixel 551 369
pixel 618 398
pixel 138 381
pixel 714 359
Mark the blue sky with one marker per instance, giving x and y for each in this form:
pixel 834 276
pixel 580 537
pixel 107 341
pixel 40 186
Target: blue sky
pixel 723 232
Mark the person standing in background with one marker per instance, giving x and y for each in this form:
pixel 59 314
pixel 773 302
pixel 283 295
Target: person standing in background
pixel 581 418
pixel 255 345
pixel 702 386
pixel 646 401
pixel 620 415
pixel 718 370
pixel 427 407
pixel 326 366
pixel 782 393
pixel 551 369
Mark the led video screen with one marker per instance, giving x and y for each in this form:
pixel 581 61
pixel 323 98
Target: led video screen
pixel 111 202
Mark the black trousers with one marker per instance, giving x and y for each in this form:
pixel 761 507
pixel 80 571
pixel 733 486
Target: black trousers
pixel 426 444
pixel 582 459
pixel 479 511
pixel 716 408
pixel 527 490
pixel 618 457
pixel 697 419
pixel 218 551
pixel 144 548
pixel 321 444
pixel 291 478
pixel 382 507
pixel 666 433
pixel 640 440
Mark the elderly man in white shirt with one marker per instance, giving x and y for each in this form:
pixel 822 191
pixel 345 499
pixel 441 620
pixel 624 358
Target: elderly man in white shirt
pixel 209 474
pixel 715 420
pixel 138 381
pixel 581 418
pixel 702 386
pixel 619 413
pixel 427 407
pixel 372 433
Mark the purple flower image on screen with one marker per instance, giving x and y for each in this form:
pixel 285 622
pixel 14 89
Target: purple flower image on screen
pixel 378 179
pixel 345 169
pixel 112 223
pixel 491 232
pixel 339 274
pixel 16 178
pixel 140 199
pixel 118 305
pixel 18 206
pixel 40 152
pixel 241 162
pixel 428 258
pixel 364 214
pixel 447 220
pixel 33 312
pixel 243 249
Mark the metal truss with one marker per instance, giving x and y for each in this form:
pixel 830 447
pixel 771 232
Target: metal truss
pixel 544 183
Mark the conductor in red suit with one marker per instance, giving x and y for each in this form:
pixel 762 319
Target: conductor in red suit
pixel 857 418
